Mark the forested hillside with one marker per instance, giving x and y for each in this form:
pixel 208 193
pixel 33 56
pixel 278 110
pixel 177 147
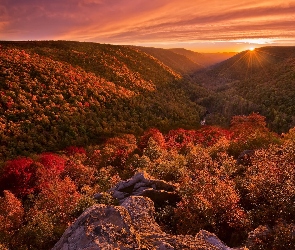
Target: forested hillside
pixel 178 62
pixel 261 80
pixel 185 61
pixel 56 94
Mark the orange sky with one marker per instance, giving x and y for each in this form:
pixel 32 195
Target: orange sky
pixel 200 25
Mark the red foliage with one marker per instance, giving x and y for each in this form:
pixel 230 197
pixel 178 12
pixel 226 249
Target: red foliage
pixel 155 134
pixel 52 162
pixel 179 138
pixel 250 132
pixel 48 168
pixel 117 150
pixel 72 150
pixel 209 135
pixel 18 176
pixel 59 199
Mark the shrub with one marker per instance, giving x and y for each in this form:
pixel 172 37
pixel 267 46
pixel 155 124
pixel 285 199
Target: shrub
pixel 18 176
pixel 250 132
pixel 268 186
pixel 151 133
pixel 38 232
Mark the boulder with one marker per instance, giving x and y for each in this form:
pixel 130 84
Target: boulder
pixel 100 227
pixel 129 226
pixel 141 184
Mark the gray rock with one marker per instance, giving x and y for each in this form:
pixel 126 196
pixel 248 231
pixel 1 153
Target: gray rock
pixel 130 226
pixel 100 227
pixel 97 196
pixel 141 184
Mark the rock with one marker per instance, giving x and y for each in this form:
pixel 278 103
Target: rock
pixel 141 211
pixel 98 196
pixel 129 226
pixel 212 239
pixel 100 227
pixel 141 184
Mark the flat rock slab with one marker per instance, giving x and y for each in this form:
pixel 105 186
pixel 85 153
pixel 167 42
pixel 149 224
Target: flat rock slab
pixel 141 184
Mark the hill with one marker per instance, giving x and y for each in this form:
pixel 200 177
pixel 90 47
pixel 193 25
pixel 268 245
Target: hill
pixel 255 81
pixel 203 59
pixel 248 63
pixel 177 61
pixel 56 93
pixel 185 61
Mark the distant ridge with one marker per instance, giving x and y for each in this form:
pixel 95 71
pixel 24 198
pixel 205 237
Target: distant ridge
pixel 185 61
pixel 247 63
pixel 204 59
pixel 178 62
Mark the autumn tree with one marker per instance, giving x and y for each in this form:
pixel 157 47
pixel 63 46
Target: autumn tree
pixel 11 218
pixel 250 132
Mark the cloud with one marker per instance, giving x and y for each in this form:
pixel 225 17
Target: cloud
pixel 146 21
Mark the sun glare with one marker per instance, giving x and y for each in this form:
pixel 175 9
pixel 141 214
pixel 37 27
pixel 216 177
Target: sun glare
pixel 251 49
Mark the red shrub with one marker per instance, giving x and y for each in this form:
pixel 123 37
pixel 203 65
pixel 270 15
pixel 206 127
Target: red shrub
pixel 18 176
pixel 52 162
pixel 250 132
pixel 179 138
pixel 117 150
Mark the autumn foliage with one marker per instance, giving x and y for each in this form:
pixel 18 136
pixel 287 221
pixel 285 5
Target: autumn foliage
pixel 245 205
pixel 18 176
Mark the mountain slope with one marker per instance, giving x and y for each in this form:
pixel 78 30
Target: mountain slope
pixel 56 94
pixel 248 63
pixel 178 62
pixel 256 81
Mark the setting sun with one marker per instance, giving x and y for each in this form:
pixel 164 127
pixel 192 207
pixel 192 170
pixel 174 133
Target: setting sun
pixel 251 49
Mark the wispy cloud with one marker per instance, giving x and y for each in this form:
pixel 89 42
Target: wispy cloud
pixel 146 21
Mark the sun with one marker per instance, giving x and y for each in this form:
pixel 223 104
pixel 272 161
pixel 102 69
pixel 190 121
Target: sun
pixel 251 49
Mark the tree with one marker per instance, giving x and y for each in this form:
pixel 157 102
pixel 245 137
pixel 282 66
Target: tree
pixel 11 217
pixel 250 132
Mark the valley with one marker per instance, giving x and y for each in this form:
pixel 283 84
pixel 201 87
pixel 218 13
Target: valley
pixel 216 130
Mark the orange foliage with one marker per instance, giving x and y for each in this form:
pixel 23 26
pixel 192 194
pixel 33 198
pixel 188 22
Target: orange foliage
pixel 151 133
pixel 11 215
pixel 250 132
pixel 59 199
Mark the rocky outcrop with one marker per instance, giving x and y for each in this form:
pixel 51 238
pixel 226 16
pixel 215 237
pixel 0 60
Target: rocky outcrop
pixel 129 226
pixel 100 227
pixel 160 192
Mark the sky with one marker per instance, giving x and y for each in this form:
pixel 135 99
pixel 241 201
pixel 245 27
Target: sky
pixel 199 25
